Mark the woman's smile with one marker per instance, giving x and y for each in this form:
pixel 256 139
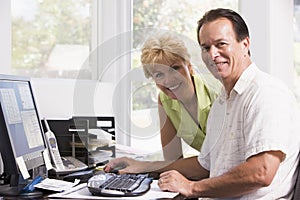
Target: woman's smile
pixel 172 88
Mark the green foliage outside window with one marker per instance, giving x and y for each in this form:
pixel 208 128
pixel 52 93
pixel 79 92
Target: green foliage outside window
pixel 53 22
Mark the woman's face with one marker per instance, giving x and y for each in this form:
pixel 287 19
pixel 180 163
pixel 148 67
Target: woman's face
pixel 174 79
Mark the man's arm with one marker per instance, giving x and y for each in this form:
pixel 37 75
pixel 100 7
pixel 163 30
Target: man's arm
pixel 188 167
pixel 257 172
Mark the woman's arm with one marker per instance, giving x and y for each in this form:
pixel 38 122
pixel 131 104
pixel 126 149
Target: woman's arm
pixel 171 144
pixel 189 167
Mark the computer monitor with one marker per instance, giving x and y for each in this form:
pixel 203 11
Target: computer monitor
pixel 21 133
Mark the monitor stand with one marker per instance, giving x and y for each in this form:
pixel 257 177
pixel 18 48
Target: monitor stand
pixel 15 188
pixel 16 191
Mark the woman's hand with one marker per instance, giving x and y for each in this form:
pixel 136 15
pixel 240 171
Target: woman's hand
pixel 125 165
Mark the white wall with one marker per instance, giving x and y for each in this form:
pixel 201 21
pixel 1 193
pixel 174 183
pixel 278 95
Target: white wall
pixel 63 98
pixel 271 34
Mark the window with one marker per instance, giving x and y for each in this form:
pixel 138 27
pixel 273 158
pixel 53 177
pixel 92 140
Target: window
pixel 150 16
pixel 51 38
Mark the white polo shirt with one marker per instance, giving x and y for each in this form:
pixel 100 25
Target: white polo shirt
pixel 260 114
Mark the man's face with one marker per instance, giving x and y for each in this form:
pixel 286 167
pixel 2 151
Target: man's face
pixel 222 53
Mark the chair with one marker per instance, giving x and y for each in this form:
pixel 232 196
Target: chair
pixel 297 186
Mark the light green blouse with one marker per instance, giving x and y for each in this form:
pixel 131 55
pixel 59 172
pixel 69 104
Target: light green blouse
pixel 187 129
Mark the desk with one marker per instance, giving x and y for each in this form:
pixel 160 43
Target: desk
pixel 81 192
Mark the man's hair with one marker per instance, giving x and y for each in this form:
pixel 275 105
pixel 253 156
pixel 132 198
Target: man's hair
pixel 163 47
pixel 239 26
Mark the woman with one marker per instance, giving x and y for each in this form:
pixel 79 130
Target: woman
pixel 184 100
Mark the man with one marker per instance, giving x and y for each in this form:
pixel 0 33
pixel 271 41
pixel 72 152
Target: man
pixel 251 150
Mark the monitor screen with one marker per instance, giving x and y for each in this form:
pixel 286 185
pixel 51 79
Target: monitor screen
pixel 20 127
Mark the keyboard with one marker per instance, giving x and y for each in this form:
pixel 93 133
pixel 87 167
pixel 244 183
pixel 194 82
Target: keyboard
pixel 124 185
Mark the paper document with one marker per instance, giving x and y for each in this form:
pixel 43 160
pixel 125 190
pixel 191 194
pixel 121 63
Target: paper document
pixel 130 150
pixel 56 185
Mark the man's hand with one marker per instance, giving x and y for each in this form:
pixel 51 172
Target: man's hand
pixel 173 181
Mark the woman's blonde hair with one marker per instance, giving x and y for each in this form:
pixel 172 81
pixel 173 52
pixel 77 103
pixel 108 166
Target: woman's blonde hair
pixel 165 47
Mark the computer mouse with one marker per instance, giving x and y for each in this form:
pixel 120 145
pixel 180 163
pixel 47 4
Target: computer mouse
pixel 115 170
pixel 83 176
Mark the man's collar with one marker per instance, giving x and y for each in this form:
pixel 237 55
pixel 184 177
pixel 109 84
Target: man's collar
pixel 246 77
pixel 242 83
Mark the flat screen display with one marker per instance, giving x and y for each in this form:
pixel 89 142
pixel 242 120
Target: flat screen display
pixel 21 132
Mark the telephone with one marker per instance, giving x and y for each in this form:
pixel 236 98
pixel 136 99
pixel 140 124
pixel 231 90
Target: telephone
pixel 61 164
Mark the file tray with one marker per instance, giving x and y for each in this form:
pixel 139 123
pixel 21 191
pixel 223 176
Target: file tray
pixel 73 137
pixel 105 123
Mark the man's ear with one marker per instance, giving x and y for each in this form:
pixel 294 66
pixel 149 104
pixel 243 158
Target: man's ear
pixel 246 45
